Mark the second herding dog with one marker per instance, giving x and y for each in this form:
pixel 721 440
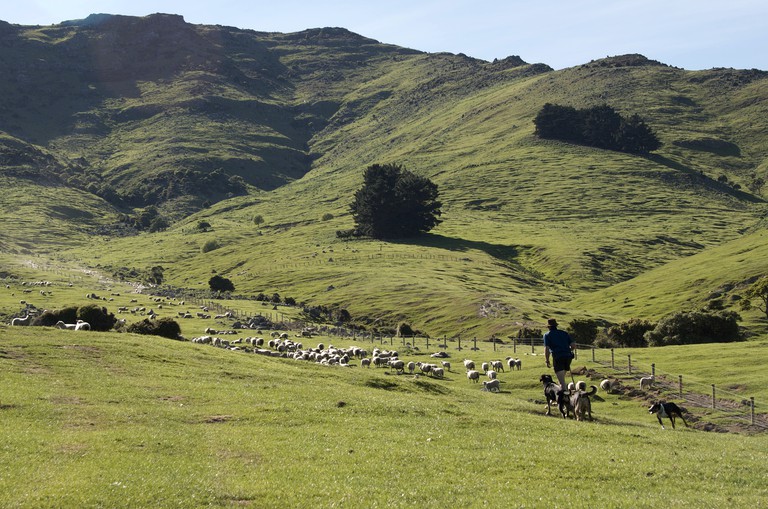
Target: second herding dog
pixel 582 405
pixel 663 409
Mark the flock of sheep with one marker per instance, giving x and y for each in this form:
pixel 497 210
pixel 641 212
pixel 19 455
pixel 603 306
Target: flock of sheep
pixel 282 345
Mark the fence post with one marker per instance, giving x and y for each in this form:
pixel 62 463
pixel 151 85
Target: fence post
pixel 593 354
pixel 494 343
pixel 613 365
pixel 653 370
pixel 514 345
pixel 459 343
pixel 713 396
pixel 533 350
pixel 427 342
pixel 629 363
pixel 752 409
pixel 680 385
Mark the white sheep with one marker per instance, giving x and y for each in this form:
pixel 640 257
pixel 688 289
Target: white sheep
pixel 398 365
pixel 365 362
pixel 438 372
pixel 411 367
pixel 473 376
pixel 485 367
pixel 497 365
pixel 468 364
pixel 491 374
pixel 606 385
pixel 21 321
pixel 67 326
pixel 646 382
pixel 490 385
pixel 446 365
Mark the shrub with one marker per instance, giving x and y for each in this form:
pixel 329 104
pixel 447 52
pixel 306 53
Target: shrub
pixel 49 318
pixel 327 216
pixel 165 327
pixel 630 333
pixel 685 328
pixel 221 284
pixel 404 329
pixel 583 330
pixel 98 317
pixel 211 245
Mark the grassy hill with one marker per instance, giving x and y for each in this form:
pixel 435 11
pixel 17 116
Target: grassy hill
pixel 126 421
pixel 124 112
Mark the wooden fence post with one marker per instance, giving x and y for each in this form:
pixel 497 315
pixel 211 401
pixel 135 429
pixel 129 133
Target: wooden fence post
pixel 713 396
pixel 680 385
pixel 459 343
pixel 475 343
pixel 514 345
pixel 494 343
pixel 593 354
pixel 427 342
pixel 533 350
pixel 653 370
pixel 752 409
pixel 629 363
pixel 613 365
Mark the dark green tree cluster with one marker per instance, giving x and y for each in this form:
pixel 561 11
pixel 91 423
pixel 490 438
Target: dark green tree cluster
pixel 693 327
pixel 395 203
pixel 165 327
pixel 599 126
pixel 98 317
pixel 221 284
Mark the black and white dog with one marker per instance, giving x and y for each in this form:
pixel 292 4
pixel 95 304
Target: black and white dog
pixel 664 409
pixel 554 395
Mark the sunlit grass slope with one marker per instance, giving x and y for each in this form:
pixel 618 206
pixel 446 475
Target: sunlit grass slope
pixel 126 421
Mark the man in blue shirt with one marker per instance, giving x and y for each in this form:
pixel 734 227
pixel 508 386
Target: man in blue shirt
pixel 559 345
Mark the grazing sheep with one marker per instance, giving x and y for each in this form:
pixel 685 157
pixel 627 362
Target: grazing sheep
pixel 491 385
pixel 491 374
pixel 398 365
pixel 425 367
pixel 473 376
pixel 21 321
pixel 607 385
pixel 438 372
pixel 411 367
pixel 67 326
pixel 485 367
pixel 497 365
pixel 514 364
pixel 468 364
pixel 81 325
pixel 365 363
pixel 446 365
pixel 646 382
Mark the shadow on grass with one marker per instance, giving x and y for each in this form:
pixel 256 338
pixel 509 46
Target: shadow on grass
pixel 704 181
pixel 501 252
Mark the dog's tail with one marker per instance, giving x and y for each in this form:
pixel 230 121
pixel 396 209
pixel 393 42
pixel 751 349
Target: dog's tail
pixel 593 391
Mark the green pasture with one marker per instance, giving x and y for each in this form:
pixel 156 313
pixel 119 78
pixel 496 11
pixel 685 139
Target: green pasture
pixel 117 420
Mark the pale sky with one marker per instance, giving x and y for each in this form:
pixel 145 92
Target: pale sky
pixel 692 34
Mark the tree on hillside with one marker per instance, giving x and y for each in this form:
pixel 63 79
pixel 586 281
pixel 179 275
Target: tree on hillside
pixel 395 203
pixel 759 291
pixel 221 284
pixel 636 137
pixel 600 126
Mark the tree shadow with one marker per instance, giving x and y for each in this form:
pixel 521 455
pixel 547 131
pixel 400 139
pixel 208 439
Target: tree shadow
pixel 703 180
pixel 501 252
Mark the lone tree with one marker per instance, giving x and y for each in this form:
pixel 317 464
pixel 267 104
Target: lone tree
pixel 395 203
pixel 758 290
pixel 221 284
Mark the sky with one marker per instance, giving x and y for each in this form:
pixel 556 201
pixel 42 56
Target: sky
pixel 691 34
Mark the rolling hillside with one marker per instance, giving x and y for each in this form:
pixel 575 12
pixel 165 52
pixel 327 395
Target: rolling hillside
pixel 111 114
